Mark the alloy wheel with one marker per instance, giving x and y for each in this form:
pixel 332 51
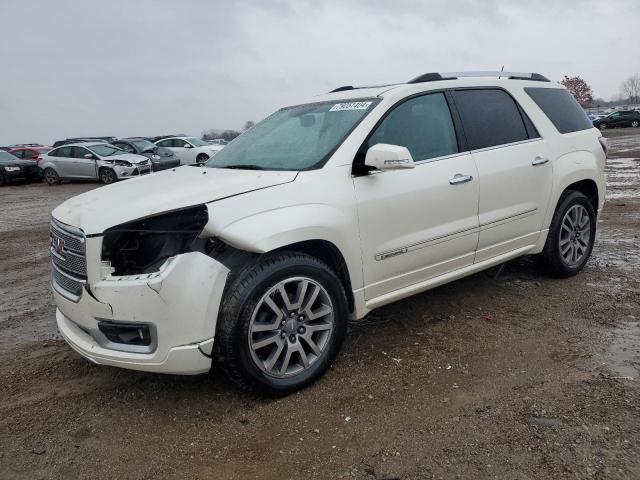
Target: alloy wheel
pixel 575 235
pixel 107 175
pixel 291 327
pixel 50 176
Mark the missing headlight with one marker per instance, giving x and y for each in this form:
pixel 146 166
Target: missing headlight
pixel 142 246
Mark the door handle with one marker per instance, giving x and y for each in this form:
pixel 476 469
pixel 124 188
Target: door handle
pixel 459 178
pixel 539 161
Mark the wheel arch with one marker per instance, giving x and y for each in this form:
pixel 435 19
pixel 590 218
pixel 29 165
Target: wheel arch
pixel 329 254
pixel 580 171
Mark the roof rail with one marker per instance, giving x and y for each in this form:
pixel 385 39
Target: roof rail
pixel 342 89
pixel 431 77
pixel 434 76
pixel 500 74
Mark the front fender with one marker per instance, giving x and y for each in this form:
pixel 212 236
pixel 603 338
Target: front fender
pixel 265 231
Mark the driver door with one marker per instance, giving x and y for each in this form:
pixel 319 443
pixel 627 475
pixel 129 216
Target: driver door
pixel 83 167
pixel 416 224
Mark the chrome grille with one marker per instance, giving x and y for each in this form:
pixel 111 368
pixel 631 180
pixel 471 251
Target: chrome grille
pixel 66 285
pixel 69 265
pixel 72 241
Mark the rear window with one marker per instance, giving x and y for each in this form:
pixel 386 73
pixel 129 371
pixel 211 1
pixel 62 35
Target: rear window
pixel 490 117
pixel 563 110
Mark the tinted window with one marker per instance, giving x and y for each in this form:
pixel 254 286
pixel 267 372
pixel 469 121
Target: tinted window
pixel 164 143
pixel 490 117
pixel 29 154
pixel 561 108
pixel 422 124
pixel 63 152
pixel 18 153
pixel 79 152
pixel 6 156
pixel 177 142
pixel 124 146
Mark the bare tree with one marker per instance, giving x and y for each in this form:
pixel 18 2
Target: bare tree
pixel 631 88
pixel 249 124
pixel 579 89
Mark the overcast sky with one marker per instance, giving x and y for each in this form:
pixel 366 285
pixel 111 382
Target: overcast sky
pixel 123 68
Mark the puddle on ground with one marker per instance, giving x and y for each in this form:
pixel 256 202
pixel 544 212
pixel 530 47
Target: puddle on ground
pixel 622 357
pixel 623 177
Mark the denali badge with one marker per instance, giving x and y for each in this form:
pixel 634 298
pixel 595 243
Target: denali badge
pixel 384 256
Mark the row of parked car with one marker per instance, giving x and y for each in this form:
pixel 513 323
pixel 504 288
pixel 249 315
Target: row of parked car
pixel 106 159
pixel 619 119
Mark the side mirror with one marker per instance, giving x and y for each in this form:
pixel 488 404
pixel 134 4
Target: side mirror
pixel 88 155
pixel 389 157
pixel 187 145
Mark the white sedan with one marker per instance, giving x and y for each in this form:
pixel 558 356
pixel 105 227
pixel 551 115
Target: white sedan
pixel 190 150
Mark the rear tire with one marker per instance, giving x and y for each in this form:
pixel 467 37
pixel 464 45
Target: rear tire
pixel 51 176
pixel 277 346
pixel 635 124
pixel 107 175
pixel 202 159
pixel 571 236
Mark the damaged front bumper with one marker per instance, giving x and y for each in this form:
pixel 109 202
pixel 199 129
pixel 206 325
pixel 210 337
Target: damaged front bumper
pixel 177 308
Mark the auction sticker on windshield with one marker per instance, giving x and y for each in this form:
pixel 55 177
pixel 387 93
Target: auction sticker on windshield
pixel 339 107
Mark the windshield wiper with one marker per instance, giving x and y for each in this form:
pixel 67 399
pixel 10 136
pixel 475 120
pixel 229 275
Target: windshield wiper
pixel 243 167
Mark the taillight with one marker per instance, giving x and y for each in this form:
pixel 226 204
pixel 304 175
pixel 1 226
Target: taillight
pixel 604 144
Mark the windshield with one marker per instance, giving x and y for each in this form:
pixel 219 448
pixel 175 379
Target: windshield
pixel 196 142
pixel 7 156
pixel 144 145
pixel 294 138
pixel 105 150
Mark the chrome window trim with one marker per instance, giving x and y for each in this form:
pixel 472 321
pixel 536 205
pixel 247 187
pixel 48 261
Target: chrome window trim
pixel 504 145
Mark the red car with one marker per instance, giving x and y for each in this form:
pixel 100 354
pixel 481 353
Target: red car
pixel 28 152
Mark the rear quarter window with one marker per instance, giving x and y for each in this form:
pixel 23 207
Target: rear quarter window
pixel 561 108
pixel 490 118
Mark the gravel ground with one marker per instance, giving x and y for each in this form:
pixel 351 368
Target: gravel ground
pixel 505 374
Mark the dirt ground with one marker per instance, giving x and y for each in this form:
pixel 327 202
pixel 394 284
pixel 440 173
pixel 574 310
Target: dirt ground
pixel 505 374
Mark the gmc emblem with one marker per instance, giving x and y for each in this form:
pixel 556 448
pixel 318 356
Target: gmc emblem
pixel 57 244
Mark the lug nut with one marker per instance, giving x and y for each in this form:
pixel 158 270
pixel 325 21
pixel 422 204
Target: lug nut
pixel 301 318
pixel 292 338
pixel 301 330
pixel 283 334
pixel 283 323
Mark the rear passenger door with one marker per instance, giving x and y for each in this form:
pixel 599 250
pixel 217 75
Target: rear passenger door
pixel 513 169
pixel 63 162
pixel 418 223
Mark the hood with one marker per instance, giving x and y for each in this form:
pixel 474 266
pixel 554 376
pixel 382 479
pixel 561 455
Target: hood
pixel 129 157
pixel 140 197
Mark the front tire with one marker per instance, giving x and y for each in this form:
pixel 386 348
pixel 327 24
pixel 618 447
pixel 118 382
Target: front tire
pixel 281 324
pixel 202 159
pixel 635 124
pixel 107 175
pixel 603 126
pixel 571 236
pixel 51 176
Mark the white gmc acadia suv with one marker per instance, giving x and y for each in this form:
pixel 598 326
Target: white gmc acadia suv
pixel 320 213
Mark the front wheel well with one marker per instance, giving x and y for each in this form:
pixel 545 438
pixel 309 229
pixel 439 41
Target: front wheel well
pixel 587 187
pixel 329 254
